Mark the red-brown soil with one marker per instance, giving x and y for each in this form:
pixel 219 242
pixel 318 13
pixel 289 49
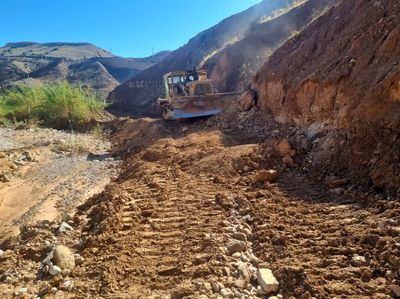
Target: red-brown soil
pixel 340 78
pixel 186 189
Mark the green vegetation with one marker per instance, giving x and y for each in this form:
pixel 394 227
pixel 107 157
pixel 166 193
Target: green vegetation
pixel 57 105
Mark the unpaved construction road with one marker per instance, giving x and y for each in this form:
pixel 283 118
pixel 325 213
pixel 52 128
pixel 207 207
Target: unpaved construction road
pixel 194 215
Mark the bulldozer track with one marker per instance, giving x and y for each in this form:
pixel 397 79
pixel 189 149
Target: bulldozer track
pixel 172 231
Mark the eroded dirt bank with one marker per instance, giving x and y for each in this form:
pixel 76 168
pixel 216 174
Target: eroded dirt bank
pixel 193 216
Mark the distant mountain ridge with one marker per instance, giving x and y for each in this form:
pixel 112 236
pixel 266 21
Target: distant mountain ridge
pixel 31 63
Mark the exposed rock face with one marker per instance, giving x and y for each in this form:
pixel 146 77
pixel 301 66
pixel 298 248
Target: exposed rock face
pixel 138 94
pixel 343 71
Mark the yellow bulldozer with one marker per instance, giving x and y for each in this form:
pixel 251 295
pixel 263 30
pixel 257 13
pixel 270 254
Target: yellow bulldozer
pixel 191 94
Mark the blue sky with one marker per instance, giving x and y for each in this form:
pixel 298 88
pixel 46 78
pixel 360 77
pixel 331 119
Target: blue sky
pixel 130 28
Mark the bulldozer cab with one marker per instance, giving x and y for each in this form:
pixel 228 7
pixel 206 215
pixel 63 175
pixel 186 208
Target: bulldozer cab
pixel 188 83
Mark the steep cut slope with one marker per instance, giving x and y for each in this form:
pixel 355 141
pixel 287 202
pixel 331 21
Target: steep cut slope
pixel 137 95
pixel 80 63
pixel 343 73
pixel 235 67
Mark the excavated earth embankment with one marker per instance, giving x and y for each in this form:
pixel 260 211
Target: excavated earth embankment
pixel 340 77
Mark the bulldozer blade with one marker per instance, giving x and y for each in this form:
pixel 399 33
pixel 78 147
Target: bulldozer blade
pixel 179 113
pixel 199 106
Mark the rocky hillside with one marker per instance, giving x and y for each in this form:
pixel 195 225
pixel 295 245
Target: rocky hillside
pixel 138 94
pixel 341 77
pixel 73 51
pixel 234 67
pixel 79 63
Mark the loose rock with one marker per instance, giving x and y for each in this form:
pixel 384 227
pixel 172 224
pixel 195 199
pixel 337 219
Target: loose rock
pixel 359 260
pixel 225 292
pixel 267 280
pixel 5 177
pixel 215 287
pixel 239 236
pixel 395 290
pixel 246 102
pixel 266 176
pixel 284 148
pixel 54 270
pixel 235 246
pixel 65 227
pixel 63 257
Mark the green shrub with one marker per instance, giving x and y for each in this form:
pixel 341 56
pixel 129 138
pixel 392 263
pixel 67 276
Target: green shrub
pixel 55 105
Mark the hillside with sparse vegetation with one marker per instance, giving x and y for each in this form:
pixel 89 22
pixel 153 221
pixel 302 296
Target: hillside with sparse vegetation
pixel 82 64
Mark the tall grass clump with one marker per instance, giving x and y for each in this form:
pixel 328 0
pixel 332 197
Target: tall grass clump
pixel 57 105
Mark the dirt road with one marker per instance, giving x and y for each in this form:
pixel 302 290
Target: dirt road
pixel 45 176
pixel 189 217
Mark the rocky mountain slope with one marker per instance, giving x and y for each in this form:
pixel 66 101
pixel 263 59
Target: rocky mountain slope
pixel 79 63
pixel 234 67
pixel 341 77
pixel 138 94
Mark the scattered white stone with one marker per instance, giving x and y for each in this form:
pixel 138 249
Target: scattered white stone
pixel 68 285
pixel 389 275
pixel 207 286
pixel 1 252
pixel 237 255
pixel 225 292
pixel 65 227
pixel 359 260
pixel 23 290
pixel 245 258
pixel 8 280
pixel 267 280
pixel 54 270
